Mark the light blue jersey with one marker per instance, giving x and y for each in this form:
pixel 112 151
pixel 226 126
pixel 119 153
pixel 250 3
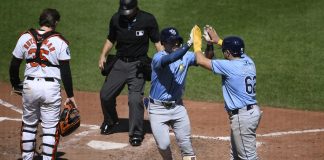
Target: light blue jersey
pixel 168 83
pixel 238 81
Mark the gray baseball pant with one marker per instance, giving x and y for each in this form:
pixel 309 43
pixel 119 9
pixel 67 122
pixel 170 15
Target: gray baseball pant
pixel 176 117
pixel 124 73
pixel 243 134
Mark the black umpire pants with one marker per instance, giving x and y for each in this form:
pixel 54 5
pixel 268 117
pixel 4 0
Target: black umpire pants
pixel 121 74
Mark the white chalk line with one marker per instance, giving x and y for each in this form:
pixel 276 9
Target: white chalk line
pixel 9 119
pixel 94 128
pixel 10 106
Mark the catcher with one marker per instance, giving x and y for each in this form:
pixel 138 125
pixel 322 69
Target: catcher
pixel 47 58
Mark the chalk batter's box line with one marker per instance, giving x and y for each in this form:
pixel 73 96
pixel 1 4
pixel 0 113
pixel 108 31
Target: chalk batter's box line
pixel 221 138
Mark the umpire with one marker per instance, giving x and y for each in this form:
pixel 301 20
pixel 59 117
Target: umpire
pixel 130 28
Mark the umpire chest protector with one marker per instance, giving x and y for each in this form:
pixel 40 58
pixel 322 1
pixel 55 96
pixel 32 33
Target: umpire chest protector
pixel 39 39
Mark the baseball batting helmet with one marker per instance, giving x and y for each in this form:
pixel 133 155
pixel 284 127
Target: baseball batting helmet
pixel 234 44
pixel 170 35
pixel 127 7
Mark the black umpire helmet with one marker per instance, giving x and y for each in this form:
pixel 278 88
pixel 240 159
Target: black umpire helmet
pixel 233 44
pixel 49 17
pixel 170 35
pixel 127 7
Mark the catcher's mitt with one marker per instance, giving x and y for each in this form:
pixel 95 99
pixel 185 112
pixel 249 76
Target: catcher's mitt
pixel 69 119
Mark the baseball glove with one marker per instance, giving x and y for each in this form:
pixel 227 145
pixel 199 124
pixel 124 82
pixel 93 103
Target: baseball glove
pixel 69 119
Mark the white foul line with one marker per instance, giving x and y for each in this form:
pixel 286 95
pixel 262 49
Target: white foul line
pixel 10 106
pixel 9 119
pixel 221 138
pixel 276 134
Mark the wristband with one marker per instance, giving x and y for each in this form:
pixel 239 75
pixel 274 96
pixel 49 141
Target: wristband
pixel 220 42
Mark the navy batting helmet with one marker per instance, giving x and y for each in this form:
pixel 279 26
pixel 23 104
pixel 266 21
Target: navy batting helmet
pixel 170 35
pixel 234 44
pixel 127 7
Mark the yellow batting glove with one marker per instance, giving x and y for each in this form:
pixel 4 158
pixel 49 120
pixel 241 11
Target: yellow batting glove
pixel 197 42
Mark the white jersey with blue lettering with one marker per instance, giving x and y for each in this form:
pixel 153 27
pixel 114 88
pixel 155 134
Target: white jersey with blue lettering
pixel 238 81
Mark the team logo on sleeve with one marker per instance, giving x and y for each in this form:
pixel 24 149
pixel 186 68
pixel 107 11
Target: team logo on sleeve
pixel 68 51
pixel 139 33
pixel 181 67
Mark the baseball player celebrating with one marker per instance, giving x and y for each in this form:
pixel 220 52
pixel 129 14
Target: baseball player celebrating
pixel 238 83
pixel 47 62
pixel 165 107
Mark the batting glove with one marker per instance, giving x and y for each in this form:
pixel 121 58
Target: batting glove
pixel 197 42
pixel 190 41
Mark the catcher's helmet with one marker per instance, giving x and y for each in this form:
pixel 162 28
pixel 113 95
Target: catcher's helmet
pixel 234 44
pixel 127 7
pixel 170 35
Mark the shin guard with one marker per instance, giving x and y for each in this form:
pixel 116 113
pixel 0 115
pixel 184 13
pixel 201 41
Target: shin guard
pixel 28 141
pixel 51 137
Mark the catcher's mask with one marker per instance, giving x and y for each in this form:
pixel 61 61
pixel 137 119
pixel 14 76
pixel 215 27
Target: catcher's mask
pixel 233 44
pixel 127 7
pixel 69 119
pixel 170 38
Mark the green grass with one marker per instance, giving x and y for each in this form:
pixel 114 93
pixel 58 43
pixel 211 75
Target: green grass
pixel 283 37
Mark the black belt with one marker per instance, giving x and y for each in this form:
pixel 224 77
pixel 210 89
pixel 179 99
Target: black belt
pixel 50 79
pixel 236 111
pixel 129 59
pixel 164 103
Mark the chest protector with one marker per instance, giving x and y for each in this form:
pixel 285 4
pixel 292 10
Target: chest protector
pixel 39 39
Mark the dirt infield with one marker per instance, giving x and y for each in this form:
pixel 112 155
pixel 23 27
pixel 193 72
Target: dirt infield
pixel 282 134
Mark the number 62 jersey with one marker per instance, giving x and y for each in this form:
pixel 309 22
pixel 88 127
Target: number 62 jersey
pixel 238 81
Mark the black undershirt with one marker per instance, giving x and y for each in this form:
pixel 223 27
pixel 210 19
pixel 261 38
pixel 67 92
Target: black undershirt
pixel 64 68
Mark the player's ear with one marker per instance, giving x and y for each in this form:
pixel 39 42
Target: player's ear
pixel 226 53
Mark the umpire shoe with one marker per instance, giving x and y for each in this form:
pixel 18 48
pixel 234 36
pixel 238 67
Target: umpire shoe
pixel 106 129
pixel 135 140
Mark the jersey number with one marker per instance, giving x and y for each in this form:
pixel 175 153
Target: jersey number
pixel 42 52
pixel 250 83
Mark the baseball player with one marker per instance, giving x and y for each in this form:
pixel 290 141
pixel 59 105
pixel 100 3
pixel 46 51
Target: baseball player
pixel 238 82
pixel 47 58
pixel 165 106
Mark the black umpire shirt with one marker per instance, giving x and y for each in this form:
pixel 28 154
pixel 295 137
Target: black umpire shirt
pixel 132 36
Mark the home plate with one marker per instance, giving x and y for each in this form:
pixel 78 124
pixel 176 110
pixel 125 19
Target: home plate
pixel 102 145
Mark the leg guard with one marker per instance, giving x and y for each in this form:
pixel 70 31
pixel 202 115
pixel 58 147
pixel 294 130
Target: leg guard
pixel 51 137
pixel 189 158
pixel 28 141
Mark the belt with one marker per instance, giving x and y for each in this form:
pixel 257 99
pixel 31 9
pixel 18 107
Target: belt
pixel 166 104
pixel 241 110
pixel 129 59
pixel 49 79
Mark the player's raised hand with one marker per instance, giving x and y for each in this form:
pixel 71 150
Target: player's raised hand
pixel 206 35
pixel 213 35
pixel 190 41
pixel 197 42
